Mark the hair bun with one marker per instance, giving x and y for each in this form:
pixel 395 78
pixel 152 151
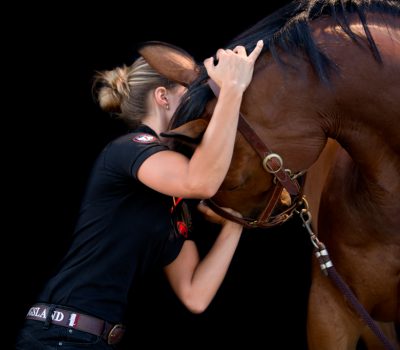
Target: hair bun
pixel 114 88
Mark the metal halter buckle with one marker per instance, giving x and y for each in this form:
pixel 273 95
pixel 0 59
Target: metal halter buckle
pixel 268 158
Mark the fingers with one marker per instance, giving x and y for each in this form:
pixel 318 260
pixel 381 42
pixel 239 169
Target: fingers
pixel 240 50
pixel 233 65
pixel 206 210
pixel 209 214
pixel 209 63
pixel 233 212
pixel 219 53
pixel 257 50
pixel 203 208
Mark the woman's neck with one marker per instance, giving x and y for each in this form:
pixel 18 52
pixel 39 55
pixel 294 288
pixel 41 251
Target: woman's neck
pixel 157 122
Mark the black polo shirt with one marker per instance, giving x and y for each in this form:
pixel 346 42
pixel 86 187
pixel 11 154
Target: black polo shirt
pixel 124 229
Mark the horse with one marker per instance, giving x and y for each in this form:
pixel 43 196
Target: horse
pixel 323 115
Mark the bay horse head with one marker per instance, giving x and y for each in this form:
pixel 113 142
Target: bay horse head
pixel 330 70
pixel 249 169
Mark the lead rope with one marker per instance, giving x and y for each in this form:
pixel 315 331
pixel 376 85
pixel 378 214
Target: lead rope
pixel 329 270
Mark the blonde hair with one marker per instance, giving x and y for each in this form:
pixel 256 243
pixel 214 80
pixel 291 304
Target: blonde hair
pixel 124 91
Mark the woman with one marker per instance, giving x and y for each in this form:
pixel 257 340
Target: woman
pixel 124 228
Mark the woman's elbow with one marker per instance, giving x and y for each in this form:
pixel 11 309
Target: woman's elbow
pixel 194 301
pixel 204 191
pixel 196 306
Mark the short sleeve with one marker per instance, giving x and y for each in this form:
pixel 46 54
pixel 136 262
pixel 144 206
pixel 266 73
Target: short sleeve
pixel 126 154
pixel 171 250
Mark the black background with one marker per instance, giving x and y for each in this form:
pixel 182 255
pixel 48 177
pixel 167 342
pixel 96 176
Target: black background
pixel 56 130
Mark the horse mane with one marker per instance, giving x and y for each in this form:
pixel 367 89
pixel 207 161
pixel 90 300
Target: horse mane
pixel 287 30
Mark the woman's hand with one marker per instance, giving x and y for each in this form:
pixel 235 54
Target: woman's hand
pixel 234 67
pixel 211 216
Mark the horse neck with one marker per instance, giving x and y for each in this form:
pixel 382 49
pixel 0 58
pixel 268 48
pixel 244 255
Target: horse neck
pixel 364 120
pixel 366 173
pixel 364 111
pixel 298 123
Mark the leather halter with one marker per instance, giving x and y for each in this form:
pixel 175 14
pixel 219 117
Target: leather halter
pixel 273 164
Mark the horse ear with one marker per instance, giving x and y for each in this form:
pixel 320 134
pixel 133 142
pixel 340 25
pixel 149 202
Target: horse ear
pixel 189 133
pixel 170 61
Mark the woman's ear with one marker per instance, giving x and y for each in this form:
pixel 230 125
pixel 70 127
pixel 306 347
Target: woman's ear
pixel 160 96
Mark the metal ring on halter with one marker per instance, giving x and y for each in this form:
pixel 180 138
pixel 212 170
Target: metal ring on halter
pixel 270 157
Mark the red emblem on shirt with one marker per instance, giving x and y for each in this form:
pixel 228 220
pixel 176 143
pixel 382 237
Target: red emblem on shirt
pixel 144 138
pixel 182 229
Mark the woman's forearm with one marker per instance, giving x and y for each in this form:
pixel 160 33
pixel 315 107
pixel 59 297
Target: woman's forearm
pixel 210 272
pixel 211 159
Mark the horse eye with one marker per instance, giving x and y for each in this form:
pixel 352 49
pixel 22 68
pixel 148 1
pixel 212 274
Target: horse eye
pixel 232 187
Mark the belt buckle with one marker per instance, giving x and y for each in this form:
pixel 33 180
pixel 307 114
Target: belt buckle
pixel 115 334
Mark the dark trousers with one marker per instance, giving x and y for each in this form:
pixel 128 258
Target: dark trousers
pixel 37 335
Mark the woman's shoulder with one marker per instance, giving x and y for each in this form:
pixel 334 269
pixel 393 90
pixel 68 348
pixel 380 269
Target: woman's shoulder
pixel 142 135
pixel 135 144
pixel 132 138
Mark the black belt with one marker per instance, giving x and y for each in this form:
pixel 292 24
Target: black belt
pixel 76 320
